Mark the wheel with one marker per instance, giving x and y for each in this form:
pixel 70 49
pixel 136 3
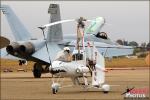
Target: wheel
pixel 78 70
pixel 106 88
pixel 105 92
pixel 37 70
pixel 54 91
pixel 55 88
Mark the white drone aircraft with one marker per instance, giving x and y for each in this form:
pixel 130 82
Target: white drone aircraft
pixel 27 48
pixel 85 59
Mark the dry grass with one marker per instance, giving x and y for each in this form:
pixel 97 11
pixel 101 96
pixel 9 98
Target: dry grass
pixel 125 62
pixel 116 62
pixel 14 65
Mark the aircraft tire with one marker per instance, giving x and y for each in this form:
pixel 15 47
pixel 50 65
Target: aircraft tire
pixel 54 91
pixel 37 70
pixel 105 92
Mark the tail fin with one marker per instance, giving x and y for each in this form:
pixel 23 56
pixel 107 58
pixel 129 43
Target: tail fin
pixel 18 29
pixel 54 32
pixel 98 76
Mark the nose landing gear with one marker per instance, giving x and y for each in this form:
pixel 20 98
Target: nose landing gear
pixel 106 88
pixel 55 88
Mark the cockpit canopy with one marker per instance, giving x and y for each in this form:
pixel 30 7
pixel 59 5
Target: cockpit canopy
pixel 102 35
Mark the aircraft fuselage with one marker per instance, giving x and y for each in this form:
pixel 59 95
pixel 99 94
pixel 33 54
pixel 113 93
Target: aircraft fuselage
pixel 68 69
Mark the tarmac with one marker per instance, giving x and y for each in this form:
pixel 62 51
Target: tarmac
pixel 22 85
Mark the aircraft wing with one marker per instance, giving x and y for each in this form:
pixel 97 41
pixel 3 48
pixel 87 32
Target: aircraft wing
pixel 43 55
pixel 107 49
pixel 72 37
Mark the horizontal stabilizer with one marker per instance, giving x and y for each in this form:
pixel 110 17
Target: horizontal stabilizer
pixel 4 42
pixel 43 55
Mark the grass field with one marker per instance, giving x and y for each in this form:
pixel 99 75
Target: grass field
pixel 126 62
pixel 14 65
pixel 114 63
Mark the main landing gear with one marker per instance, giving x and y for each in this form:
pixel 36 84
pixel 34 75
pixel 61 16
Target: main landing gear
pixel 37 70
pixel 40 68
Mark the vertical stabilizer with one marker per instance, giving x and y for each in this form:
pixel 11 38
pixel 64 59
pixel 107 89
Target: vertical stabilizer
pixel 18 29
pixel 54 32
pixel 98 75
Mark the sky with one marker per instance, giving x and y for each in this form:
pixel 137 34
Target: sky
pixel 127 20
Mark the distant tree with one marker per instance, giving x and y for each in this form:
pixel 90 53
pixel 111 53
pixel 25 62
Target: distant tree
pixel 133 43
pixel 136 50
pixel 120 42
pixel 143 45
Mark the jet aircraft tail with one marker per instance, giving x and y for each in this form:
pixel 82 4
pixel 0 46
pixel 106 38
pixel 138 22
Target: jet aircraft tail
pixel 98 75
pixel 18 29
pixel 54 32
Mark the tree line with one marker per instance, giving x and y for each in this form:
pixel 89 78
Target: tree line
pixel 139 49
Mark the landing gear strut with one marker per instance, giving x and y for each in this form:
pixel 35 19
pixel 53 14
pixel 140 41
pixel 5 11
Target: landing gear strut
pixel 37 70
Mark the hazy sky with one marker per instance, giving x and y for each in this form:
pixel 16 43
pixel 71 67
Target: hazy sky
pixel 127 20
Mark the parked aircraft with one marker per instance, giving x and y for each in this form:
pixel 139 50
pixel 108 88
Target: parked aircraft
pixel 27 48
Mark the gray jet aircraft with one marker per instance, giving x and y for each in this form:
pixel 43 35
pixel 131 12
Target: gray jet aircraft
pixel 27 48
